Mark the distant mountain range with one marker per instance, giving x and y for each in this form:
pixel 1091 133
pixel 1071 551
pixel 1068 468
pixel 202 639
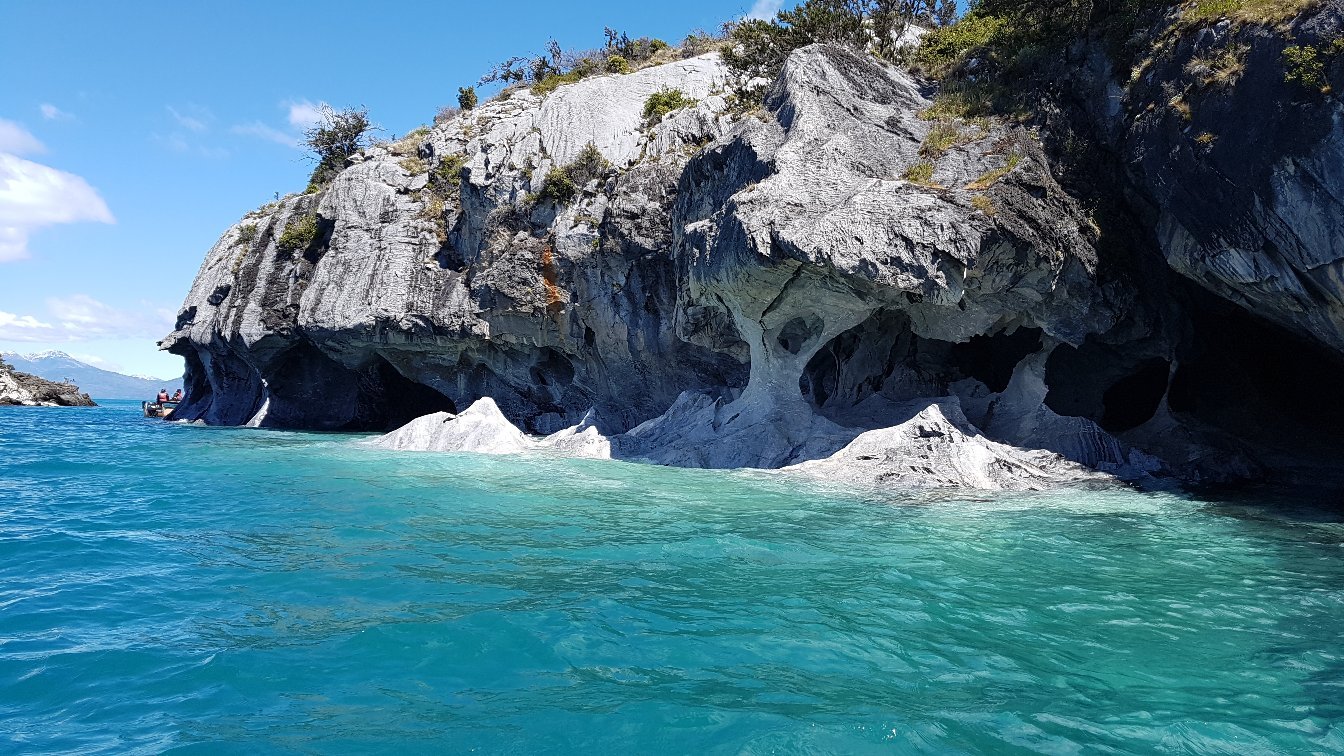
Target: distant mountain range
pixel 96 382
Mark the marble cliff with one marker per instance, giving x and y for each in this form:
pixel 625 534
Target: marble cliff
pixel 782 287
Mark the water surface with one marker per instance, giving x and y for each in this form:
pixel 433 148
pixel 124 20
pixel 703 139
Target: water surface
pixel 168 588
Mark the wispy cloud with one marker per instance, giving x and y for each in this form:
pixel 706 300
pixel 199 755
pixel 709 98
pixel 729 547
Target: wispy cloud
pixel 52 113
pixel 33 195
pixel 16 140
pixel 764 9
pixel 269 133
pixel 80 317
pixel 195 118
pixel 304 114
pixel 300 115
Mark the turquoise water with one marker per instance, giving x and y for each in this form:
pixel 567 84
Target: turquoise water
pixel 229 591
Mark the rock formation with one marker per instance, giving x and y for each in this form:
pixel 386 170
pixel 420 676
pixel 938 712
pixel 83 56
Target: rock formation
pixel 819 283
pixel 18 388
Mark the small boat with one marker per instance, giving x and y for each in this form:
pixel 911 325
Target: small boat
pixel 158 409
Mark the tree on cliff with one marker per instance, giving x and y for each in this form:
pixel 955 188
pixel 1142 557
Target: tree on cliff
pixel 338 135
pixel 758 47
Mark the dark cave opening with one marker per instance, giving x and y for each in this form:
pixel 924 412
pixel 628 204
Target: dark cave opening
pixel 309 389
pixel 797 332
pixel 1133 400
pixel 387 399
pixel 883 355
pixel 1252 377
pixel 1106 384
pixel 992 359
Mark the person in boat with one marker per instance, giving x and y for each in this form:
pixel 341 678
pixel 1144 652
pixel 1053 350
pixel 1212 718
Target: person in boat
pixel 163 395
pixel 177 396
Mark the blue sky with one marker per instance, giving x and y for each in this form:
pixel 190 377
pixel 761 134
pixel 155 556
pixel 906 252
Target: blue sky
pixel 133 134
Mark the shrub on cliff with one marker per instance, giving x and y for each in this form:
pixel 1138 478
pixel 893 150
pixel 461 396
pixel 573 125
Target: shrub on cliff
pixel 663 102
pixel 299 234
pixel 588 165
pixel 337 135
pixel 466 97
pixel 757 48
pixel 557 187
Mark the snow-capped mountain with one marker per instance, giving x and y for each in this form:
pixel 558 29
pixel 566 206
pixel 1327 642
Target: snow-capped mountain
pixel 95 381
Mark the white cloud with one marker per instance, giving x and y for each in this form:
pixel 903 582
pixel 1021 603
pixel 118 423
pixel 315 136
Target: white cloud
pixel 269 133
pixel 301 115
pixel 80 316
pixel 23 327
pixel 53 113
pixel 764 9
pixel 16 140
pixel 195 121
pixel 33 195
pixel 304 114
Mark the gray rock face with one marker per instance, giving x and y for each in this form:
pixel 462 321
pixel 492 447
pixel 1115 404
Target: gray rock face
pixel 763 289
pixel 1246 178
pixel 22 389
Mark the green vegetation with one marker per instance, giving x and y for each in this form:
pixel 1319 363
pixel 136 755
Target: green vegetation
pixel 562 185
pixel 544 74
pixel 941 48
pixel 246 233
pixel 1303 66
pixel 466 97
pixel 1246 11
pixel 557 188
pixel 970 101
pixel 299 234
pixel 446 180
pixel 548 84
pixel 757 48
pixel 1206 139
pixel 663 102
pixel 983 204
pixel 413 165
pixel 919 173
pixel 990 178
pixel 337 135
pixel 942 137
pixel 588 165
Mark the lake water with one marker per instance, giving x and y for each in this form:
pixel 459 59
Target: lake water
pixel 169 588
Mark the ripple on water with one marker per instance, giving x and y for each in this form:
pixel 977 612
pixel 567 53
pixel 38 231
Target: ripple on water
pixel 164 586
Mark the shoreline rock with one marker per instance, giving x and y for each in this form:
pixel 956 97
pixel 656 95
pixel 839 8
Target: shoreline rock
pixel 24 390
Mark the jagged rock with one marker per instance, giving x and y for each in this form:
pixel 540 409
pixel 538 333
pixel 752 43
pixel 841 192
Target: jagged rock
pixel 771 288
pixel 938 448
pixel 18 388
pixel 481 428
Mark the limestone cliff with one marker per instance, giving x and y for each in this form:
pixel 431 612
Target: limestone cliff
pixel 818 278
pixel 18 388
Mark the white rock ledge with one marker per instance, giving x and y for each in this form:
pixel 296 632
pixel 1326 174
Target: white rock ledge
pixel 937 447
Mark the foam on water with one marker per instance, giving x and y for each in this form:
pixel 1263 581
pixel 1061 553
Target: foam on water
pixel 217 590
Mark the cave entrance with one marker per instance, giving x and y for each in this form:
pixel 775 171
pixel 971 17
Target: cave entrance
pixel 386 399
pixel 882 355
pixel 308 389
pixel 1256 379
pixel 1116 390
